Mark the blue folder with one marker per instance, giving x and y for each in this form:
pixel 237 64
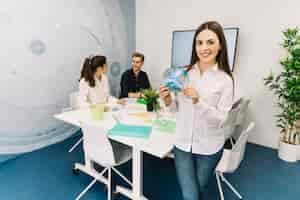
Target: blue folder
pixel 130 130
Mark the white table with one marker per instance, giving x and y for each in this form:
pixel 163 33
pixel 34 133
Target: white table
pixel 158 144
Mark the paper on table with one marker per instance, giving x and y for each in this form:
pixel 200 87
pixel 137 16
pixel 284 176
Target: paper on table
pixel 164 125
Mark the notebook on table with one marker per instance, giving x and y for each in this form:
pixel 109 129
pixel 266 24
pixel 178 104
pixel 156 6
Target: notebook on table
pixel 130 131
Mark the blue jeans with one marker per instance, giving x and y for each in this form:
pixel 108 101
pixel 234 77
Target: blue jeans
pixel 194 172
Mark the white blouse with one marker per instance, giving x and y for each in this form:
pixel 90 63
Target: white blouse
pixel 199 126
pixel 91 95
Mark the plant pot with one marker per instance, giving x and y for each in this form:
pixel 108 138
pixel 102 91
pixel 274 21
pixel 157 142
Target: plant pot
pixel 289 152
pixel 150 107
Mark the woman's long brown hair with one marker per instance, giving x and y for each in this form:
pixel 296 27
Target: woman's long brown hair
pixel 222 57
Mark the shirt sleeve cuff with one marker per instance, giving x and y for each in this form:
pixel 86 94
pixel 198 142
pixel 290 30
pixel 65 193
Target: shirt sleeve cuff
pixel 173 106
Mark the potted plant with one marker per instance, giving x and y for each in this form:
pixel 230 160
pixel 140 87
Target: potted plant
pixel 286 86
pixel 150 97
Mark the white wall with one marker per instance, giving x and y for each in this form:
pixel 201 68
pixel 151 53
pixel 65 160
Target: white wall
pixel 260 22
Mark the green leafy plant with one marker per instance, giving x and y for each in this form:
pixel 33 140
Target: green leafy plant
pixel 286 86
pixel 150 97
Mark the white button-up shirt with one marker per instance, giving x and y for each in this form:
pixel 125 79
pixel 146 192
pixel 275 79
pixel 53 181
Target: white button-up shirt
pixel 91 95
pixel 199 125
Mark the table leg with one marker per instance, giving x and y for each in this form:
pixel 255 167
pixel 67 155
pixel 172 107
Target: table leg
pixel 137 174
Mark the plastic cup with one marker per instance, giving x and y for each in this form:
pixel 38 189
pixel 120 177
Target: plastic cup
pixel 97 111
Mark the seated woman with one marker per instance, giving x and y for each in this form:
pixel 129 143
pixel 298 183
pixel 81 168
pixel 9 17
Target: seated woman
pixel 93 85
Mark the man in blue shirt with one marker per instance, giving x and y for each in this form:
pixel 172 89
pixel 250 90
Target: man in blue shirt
pixel 134 80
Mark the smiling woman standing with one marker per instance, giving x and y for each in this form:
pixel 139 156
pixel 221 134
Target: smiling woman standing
pixel 202 107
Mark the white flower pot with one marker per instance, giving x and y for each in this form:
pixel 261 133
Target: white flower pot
pixel 289 152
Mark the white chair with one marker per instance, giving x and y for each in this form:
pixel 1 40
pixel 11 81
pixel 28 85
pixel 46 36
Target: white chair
pixel 235 118
pixel 74 104
pixel 231 160
pixel 243 106
pixel 74 100
pixel 229 125
pixel 108 154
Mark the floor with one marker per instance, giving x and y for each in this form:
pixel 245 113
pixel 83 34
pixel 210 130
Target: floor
pixel 46 175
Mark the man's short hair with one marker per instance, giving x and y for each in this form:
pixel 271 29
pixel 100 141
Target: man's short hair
pixel 139 55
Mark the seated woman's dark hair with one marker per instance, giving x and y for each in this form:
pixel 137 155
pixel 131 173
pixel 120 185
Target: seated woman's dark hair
pixel 89 68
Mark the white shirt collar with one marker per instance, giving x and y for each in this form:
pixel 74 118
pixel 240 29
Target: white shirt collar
pixel 214 68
